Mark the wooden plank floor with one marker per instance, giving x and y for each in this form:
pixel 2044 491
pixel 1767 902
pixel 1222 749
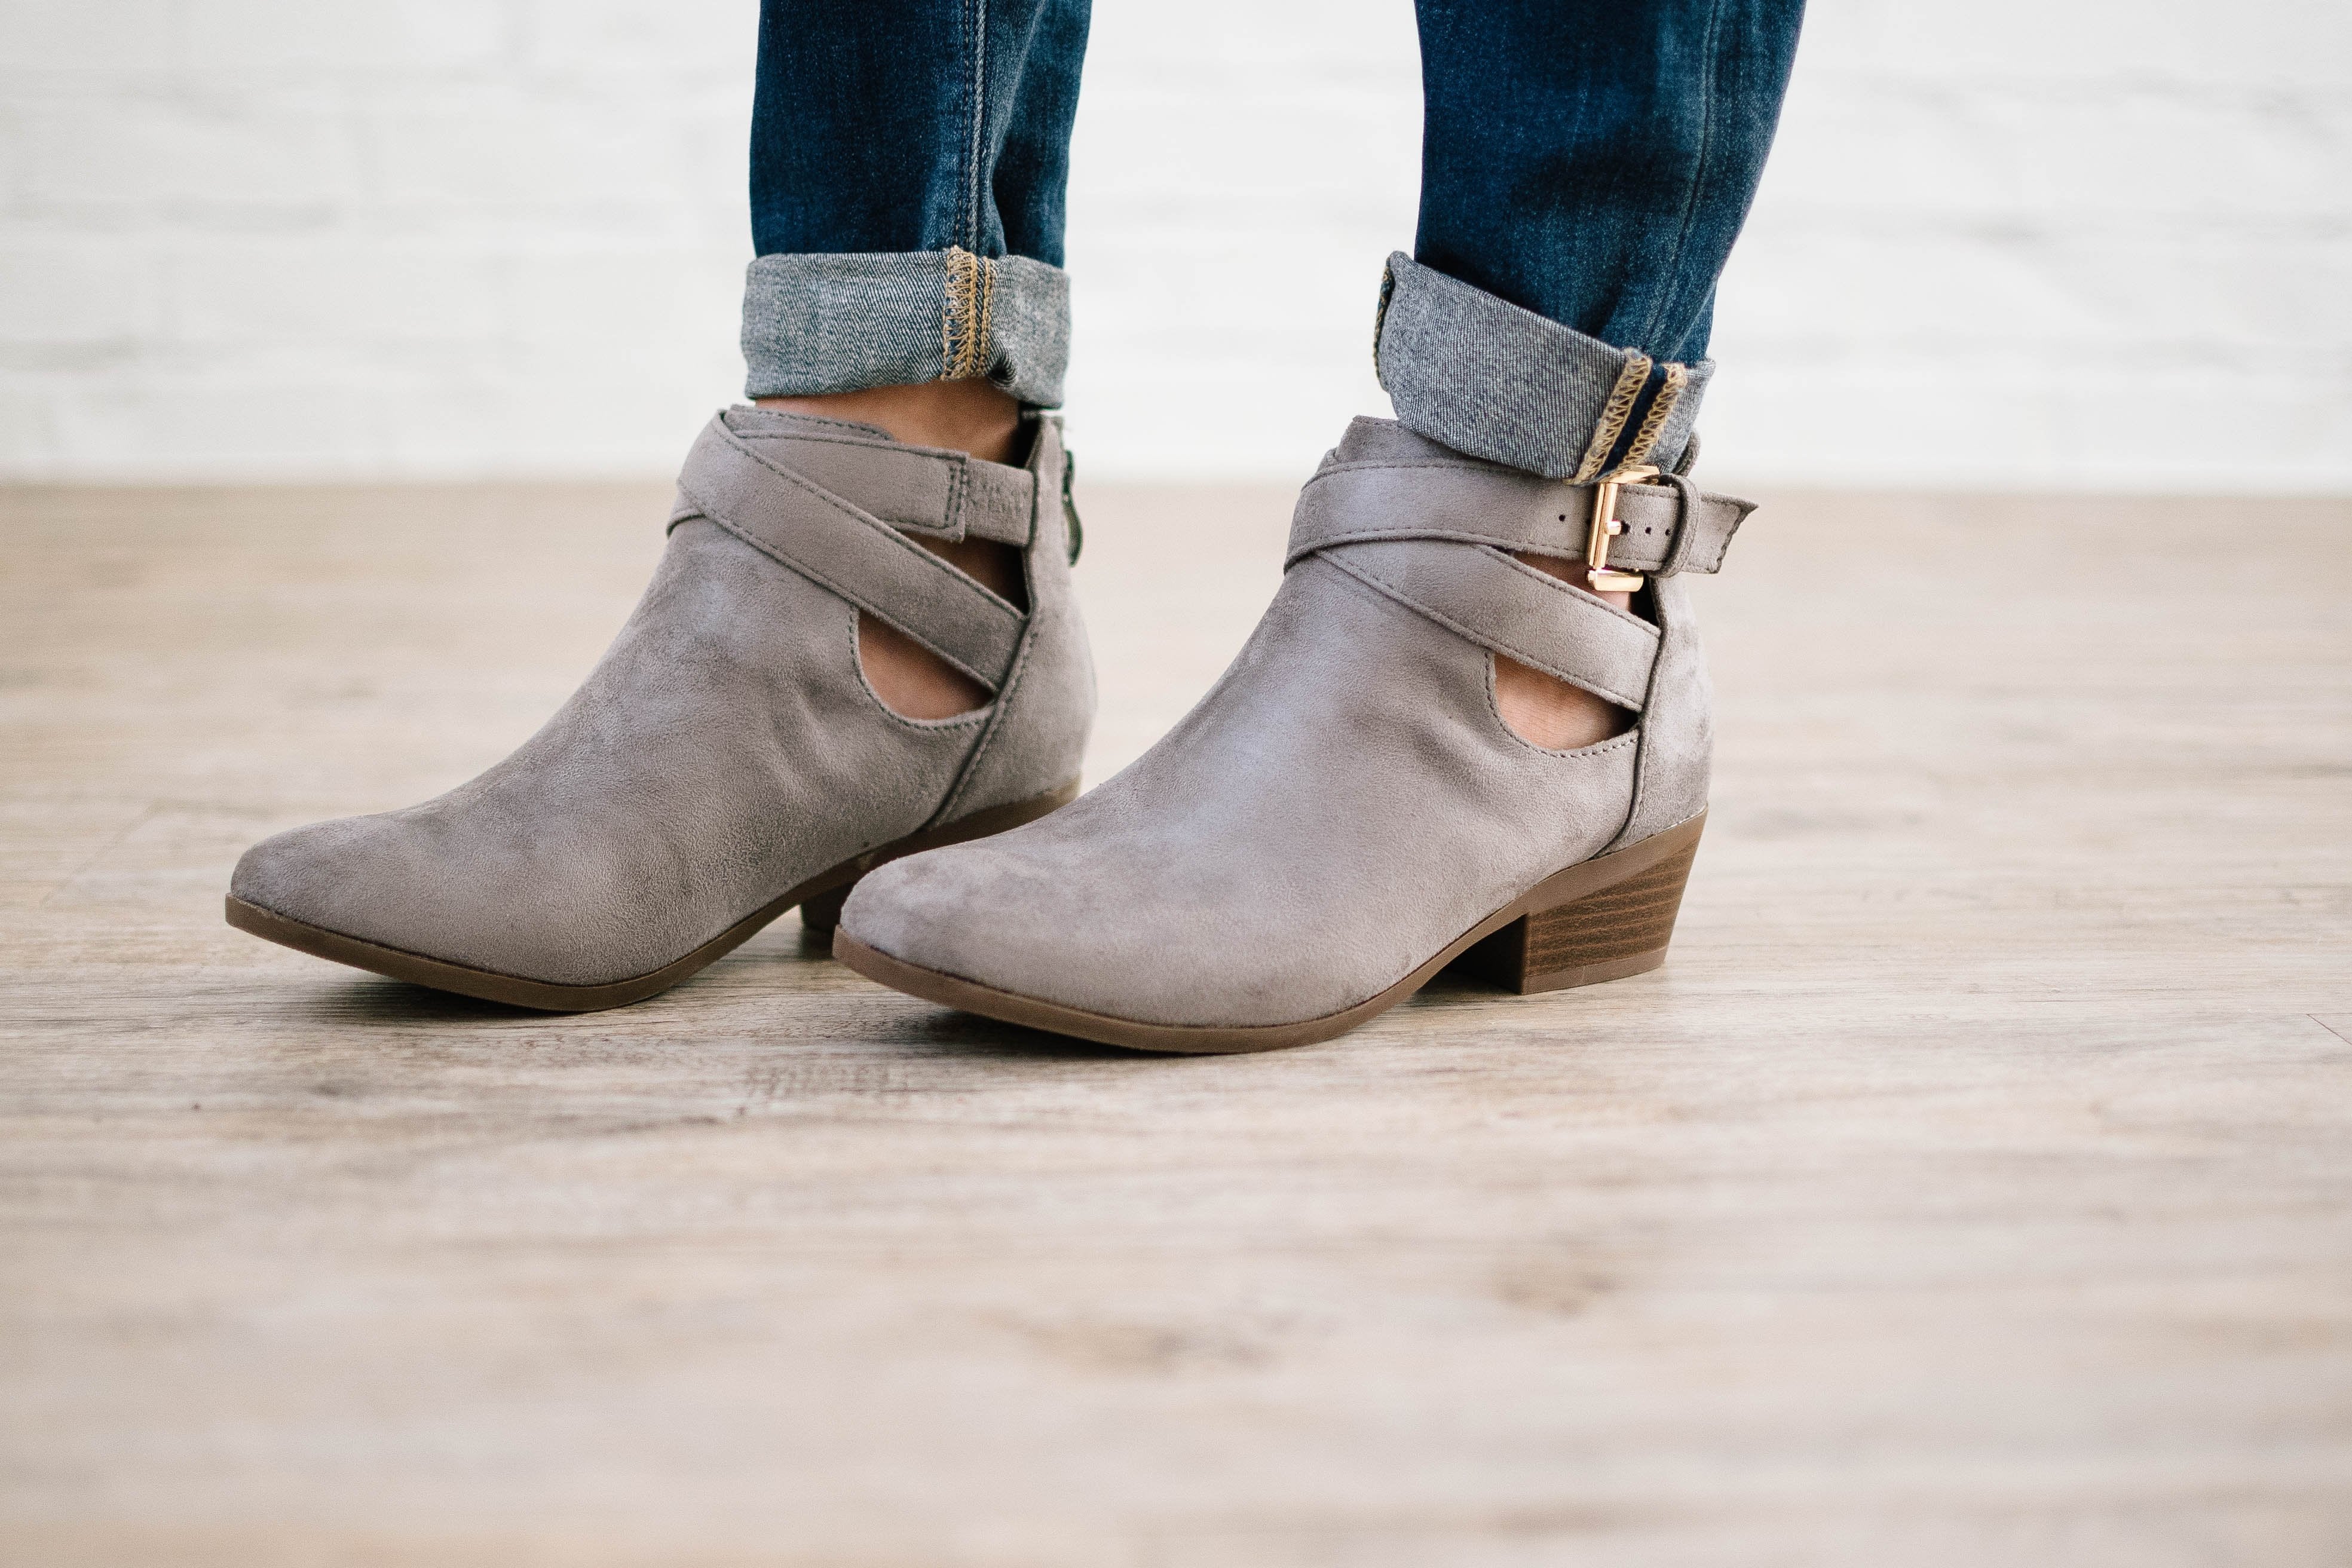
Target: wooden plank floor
pixel 1974 1185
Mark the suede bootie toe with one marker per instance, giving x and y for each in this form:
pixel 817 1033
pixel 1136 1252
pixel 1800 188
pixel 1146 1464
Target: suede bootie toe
pixel 727 759
pixel 1346 812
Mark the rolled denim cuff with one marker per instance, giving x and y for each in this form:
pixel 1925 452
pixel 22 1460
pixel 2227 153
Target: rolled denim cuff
pixel 815 324
pixel 1490 379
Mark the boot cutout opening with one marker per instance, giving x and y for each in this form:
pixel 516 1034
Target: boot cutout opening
pixel 914 682
pixel 1544 710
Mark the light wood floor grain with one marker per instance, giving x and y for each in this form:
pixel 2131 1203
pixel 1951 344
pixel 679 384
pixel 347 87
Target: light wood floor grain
pixel 1973 1187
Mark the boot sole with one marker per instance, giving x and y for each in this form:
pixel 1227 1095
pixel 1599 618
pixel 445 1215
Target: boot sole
pixel 1598 920
pixel 820 897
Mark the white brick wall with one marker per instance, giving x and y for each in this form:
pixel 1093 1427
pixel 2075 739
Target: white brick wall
pixel 2071 242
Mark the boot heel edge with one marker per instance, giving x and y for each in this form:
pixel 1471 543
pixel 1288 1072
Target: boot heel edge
pixel 820 913
pixel 1609 933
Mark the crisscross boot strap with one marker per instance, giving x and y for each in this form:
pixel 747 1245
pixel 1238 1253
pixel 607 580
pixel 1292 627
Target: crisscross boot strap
pixel 766 492
pixel 1439 537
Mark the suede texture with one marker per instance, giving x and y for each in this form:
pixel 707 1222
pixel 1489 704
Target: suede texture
pixel 1343 804
pixel 1041 722
pixel 831 540
pixel 1512 608
pixel 1677 721
pixel 725 749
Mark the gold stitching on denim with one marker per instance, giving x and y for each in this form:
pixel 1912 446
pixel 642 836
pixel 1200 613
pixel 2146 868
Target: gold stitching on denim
pixel 983 337
pixel 952 285
pixel 1613 415
pixel 964 327
pixel 1662 408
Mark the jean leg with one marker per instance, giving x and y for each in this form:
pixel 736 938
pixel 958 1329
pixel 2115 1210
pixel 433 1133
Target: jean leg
pixel 1586 166
pixel 908 159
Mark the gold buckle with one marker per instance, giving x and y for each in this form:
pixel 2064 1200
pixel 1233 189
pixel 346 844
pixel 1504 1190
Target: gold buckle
pixel 1605 527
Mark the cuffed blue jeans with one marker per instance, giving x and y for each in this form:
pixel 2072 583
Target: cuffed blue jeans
pixel 1586 165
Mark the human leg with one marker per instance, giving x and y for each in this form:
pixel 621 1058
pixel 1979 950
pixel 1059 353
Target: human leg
pixel 908 165
pixel 734 754
pixel 1348 810
pixel 1591 162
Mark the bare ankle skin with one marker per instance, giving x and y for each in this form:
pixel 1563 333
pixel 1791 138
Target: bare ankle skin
pixel 1544 711
pixel 975 417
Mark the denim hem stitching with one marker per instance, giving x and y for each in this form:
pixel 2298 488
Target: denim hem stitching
pixel 1613 415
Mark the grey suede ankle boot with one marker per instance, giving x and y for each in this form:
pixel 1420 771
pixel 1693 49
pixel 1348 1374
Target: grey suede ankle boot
pixel 1346 812
pixel 726 760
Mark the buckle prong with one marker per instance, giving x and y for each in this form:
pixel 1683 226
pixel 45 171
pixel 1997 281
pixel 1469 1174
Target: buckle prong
pixel 1605 526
